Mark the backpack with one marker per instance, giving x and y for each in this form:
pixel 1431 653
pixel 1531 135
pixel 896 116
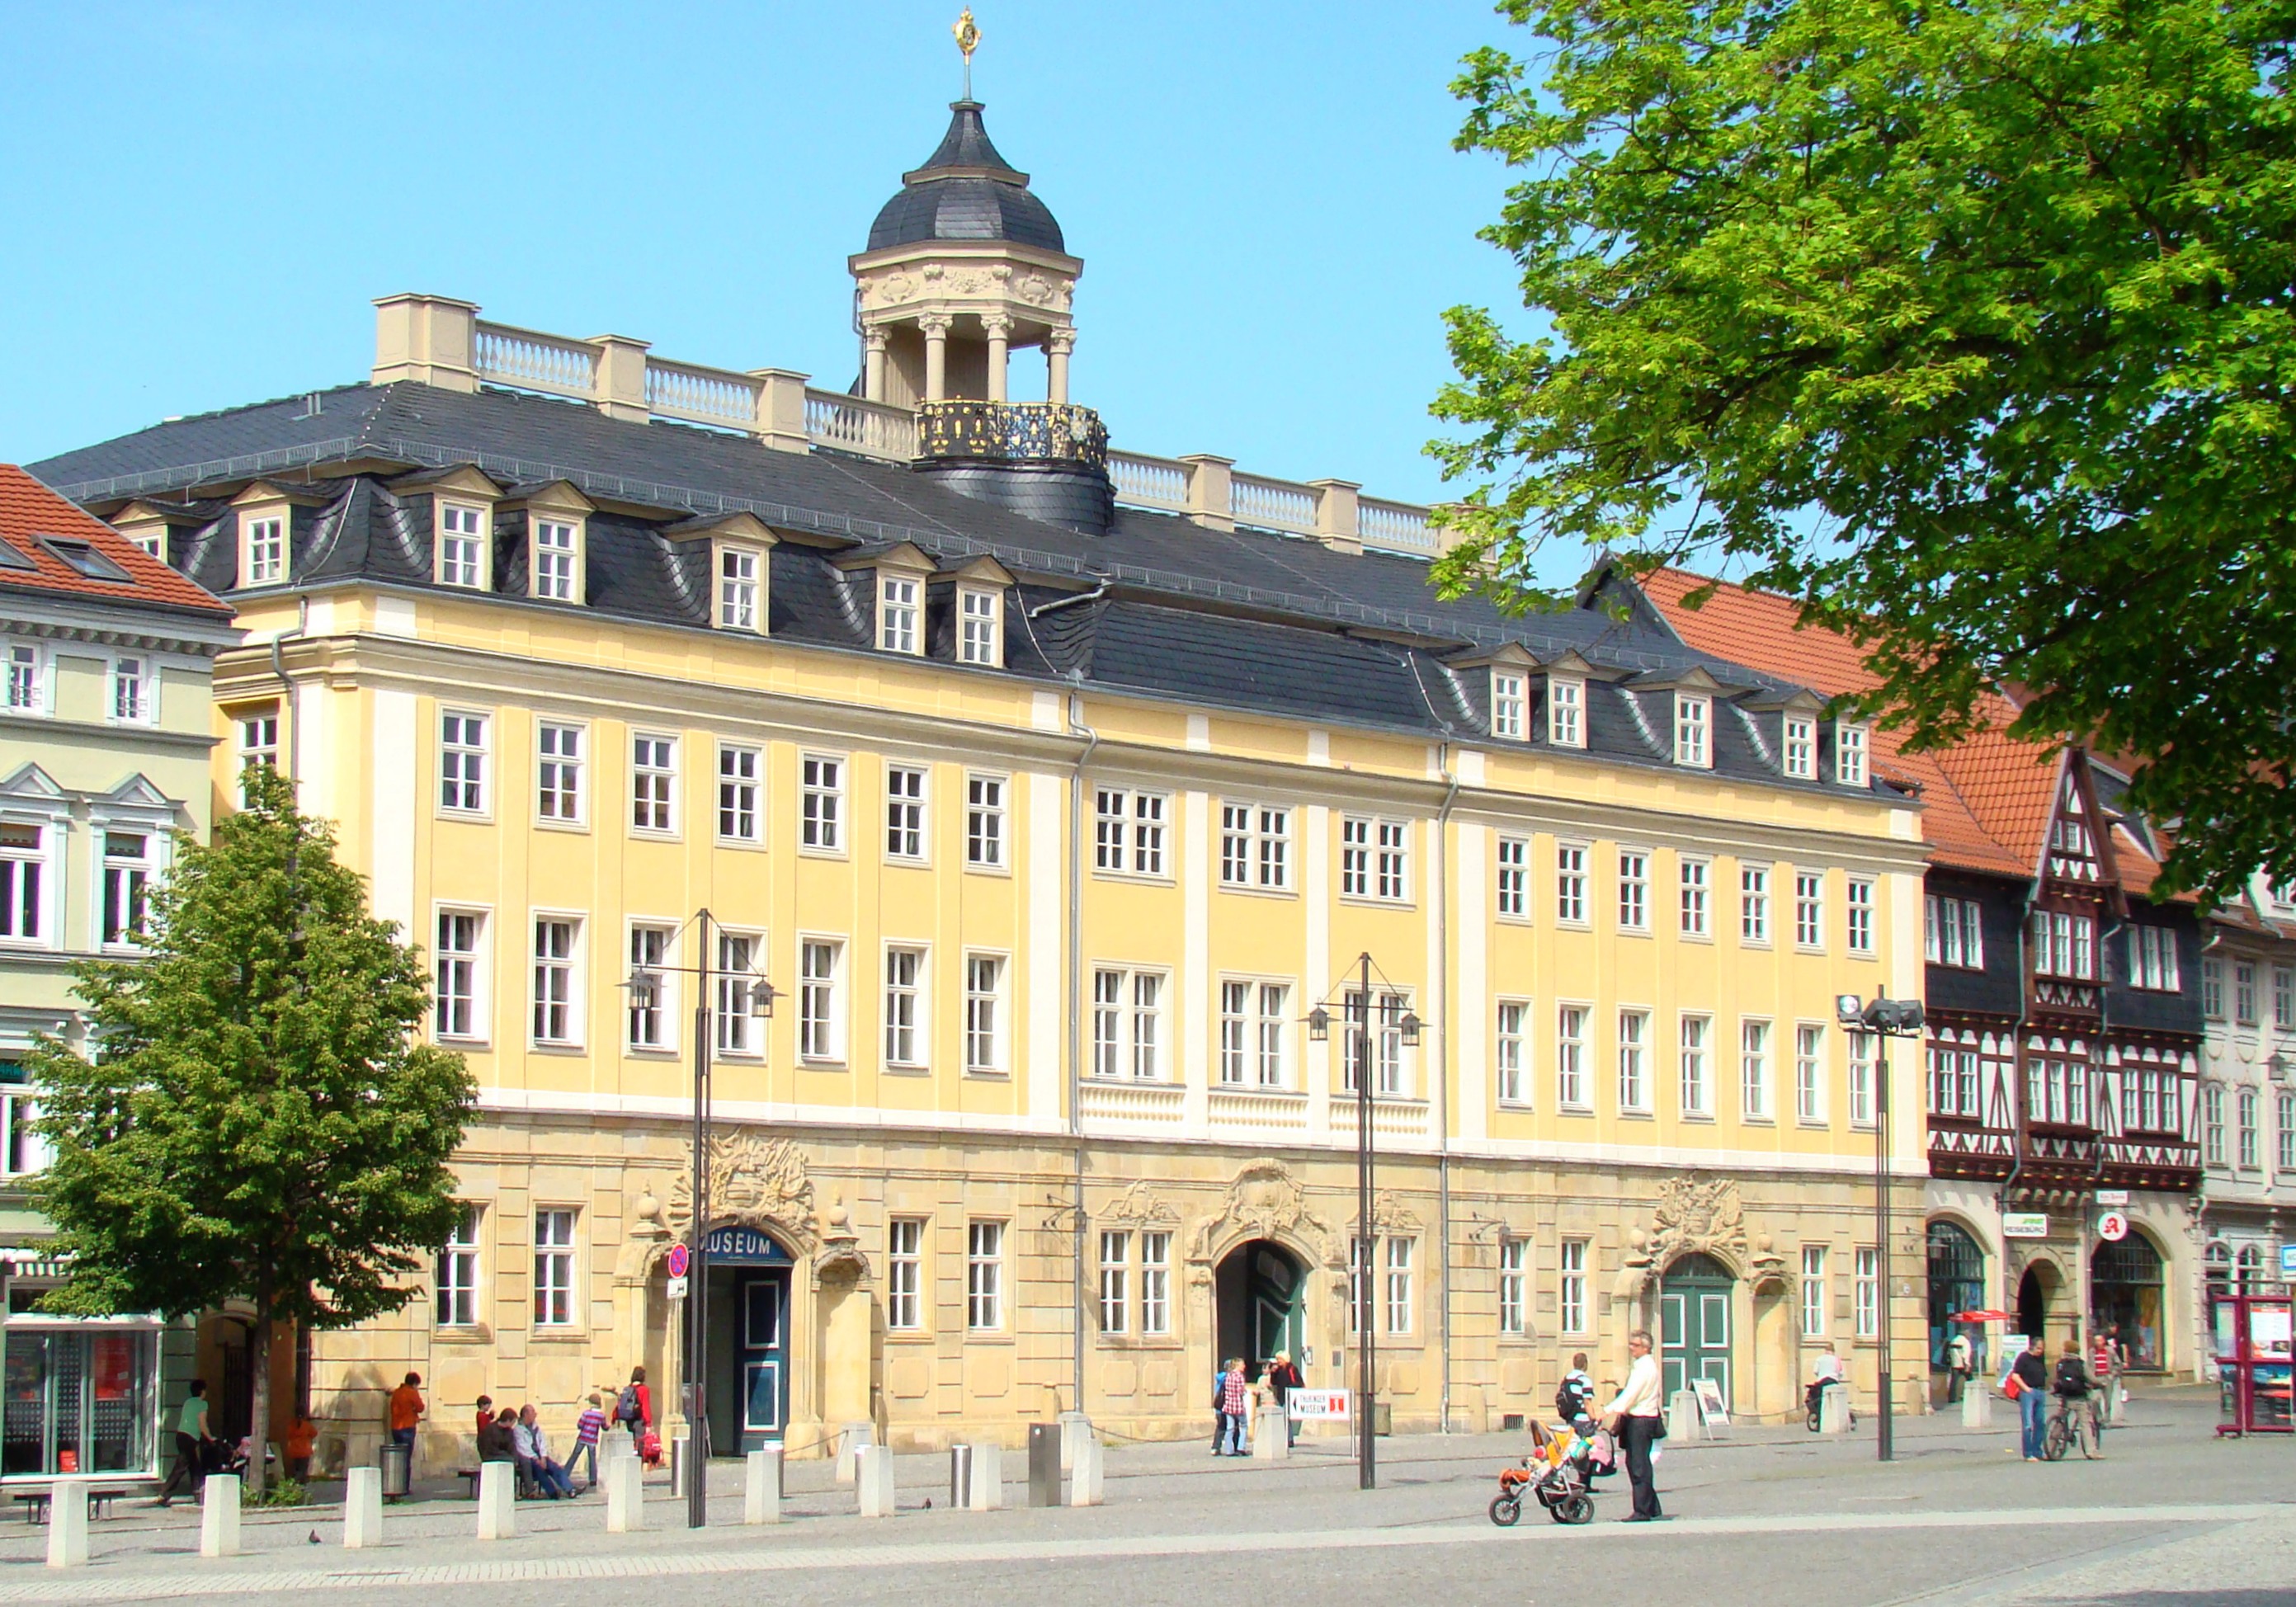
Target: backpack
pixel 626 1405
pixel 2072 1379
pixel 1571 1397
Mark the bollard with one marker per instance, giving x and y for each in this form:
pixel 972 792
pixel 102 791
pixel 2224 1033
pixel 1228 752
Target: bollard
pixel 68 1524
pixel 498 1500
pixel 849 1442
pixel 873 1478
pixel 1976 1406
pixel 986 1489
pixel 1682 1417
pixel 1833 1410
pixel 761 1495
pixel 960 1477
pixel 220 1516
pixel 1271 1438
pixel 1044 1464
pixel 1076 1426
pixel 624 1495
pixel 1084 1477
pixel 362 1508
pixel 616 1442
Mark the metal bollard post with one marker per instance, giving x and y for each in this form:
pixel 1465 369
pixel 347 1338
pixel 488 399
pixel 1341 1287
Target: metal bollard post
pixel 960 1477
pixel 987 1491
pixel 498 1500
pixel 761 1493
pixel 1044 1464
pixel 68 1524
pixel 220 1516
pixel 362 1508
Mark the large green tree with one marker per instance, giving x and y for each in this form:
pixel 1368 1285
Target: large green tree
pixel 256 1117
pixel 1968 325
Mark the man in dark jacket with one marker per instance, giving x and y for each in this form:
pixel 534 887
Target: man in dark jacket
pixel 2031 1371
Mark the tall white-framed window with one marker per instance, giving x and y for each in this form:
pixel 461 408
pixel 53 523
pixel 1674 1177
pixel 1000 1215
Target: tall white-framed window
pixel 905 1035
pixel 740 775
pixel 1952 933
pixel 651 1015
pixel 820 1020
pixel 1571 1286
pixel 23 882
pixel 2284 1134
pixel 1849 754
pixel 2212 1118
pixel 1566 712
pixel 1156 1282
pixel 654 783
pixel 1754 1070
pixel 26 691
pixel 22 1151
pixel 1857 906
pixel 1401 1252
pixel 905 812
pixel 1254 1018
pixel 458 1274
pixel 1866 1293
pixel 1570 1056
pixel 897 614
pixel 1809 909
pixel 1861 1079
pixel 737 1030
pixel 1506 706
pixel 1810 1075
pixel 2152 964
pixel 1511 1046
pixel 559 754
pixel 2064 945
pixel 984 1015
pixel 457 970
pixel 2244 992
pixel 2250 1109
pixel 984 1276
pixel 1754 903
pixel 461 546
pixel 1360 1257
pixel 2212 997
pixel 1129 832
pixel 1634 1059
pixel 905 1248
pixel 1393 878
pixel 135 697
pixel 1128 1023
pixel 462 763
pixel 740 592
pixel 1513 893
pixel 557 1015
pixel 1694 730
pixel 257 730
pixel 2283 994
pixel 984 822
pixel 1571 884
pixel 1374 859
pixel 1634 890
pixel 1355 856
pixel 1697 1035
pixel 126 887
pixel 1389 1077
pixel 1813 1292
pixel 263 550
pixel 979 633
pixel 1697 891
pixel 1255 847
pixel 1798 755
pixel 554 1267
pixel 820 803
pixel 1514 1279
pixel 1115 1281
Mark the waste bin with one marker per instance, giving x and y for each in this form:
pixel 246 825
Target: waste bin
pixel 397 1470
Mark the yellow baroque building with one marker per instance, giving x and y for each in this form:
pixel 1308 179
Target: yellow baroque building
pixel 1053 790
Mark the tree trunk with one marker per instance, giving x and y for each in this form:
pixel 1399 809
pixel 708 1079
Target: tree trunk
pixel 258 1433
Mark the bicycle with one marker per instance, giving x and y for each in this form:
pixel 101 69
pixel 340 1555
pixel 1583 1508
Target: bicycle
pixel 2070 1422
pixel 1811 1410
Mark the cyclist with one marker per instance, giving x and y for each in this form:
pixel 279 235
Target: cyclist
pixel 2073 1387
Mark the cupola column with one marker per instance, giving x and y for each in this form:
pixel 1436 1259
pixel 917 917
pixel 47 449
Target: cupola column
pixel 872 363
pixel 1058 344
pixel 935 326
pixel 999 331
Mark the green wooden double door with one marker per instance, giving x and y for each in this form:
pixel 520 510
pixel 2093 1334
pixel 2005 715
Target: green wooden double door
pixel 1693 1307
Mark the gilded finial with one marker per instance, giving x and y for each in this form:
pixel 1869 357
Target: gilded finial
pixel 968 40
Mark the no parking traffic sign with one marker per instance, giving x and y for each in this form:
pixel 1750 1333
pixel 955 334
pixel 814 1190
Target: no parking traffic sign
pixel 678 1259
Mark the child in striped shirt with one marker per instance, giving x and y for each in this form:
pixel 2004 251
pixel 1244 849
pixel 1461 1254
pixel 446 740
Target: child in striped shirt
pixel 586 1430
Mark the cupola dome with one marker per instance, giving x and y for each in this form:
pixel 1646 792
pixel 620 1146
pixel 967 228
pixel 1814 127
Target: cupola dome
pixel 965 191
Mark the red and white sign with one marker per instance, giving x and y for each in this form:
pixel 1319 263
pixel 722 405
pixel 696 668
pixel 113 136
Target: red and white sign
pixel 1310 1406
pixel 2113 1227
pixel 679 1259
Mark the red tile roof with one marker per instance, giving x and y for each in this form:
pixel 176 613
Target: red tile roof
pixel 28 511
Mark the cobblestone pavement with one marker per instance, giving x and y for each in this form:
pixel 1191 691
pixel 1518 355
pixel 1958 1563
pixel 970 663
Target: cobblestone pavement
pixel 1770 1516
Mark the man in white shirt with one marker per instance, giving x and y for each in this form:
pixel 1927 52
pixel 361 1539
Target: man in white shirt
pixel 1636 1415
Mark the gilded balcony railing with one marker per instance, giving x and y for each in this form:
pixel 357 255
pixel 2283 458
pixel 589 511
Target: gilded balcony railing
pixel 1016 432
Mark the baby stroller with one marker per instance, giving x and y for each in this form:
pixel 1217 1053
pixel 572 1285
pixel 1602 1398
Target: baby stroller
pixel 1559 1473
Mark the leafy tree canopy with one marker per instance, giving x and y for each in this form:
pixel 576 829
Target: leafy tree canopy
pixel 1971 327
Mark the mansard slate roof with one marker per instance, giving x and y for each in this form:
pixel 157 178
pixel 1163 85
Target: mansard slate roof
pixel 965 191
pixel 34 517
pixel 1160 606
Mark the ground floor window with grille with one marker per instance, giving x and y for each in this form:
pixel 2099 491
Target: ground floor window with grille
pixel 984 1276
pixel 458 1274
pixel 553 1268
pixel 1515 1262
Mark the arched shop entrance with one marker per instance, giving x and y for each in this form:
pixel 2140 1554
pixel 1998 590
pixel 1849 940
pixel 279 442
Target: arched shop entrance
pixel 2036 1292
pixel 1957 1283
pixel 2125 1287
pixel 1693 1317
pixel 1260 1296
pixel 749 1358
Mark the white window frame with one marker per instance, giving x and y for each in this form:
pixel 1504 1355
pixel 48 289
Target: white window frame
pixel 1866 1271
pixel 904 1279
pixel 1398 1307
pixel 740 571
pixel 654 783
pixel 820 999
pixel 984 1013
pixel 1508 705
pixel 1809 911
pixel 1852 754
pixel 1571 1092
pixel 1757 1047
pixel 557 1276
pixel 1694 730
pixel 27 689
pixel 986 821
pixel 1155 1281
pixel 1814 1291
pixel 461 546
pixel 139 689
pixel 1255 847
pixel 1394 1063
pixel 981 625
pixel 740 794
pixel 1131 833
pixel 1511 1053
pixel 1254 1050
pixel 458 1277
pixel 909 837
pixel 465 762
pixel 1634 1047
pixel 906 985
pixel 126 885
pixel 561 763
pixel 1696 912
pixel 900 613
pixel 1860 914
pixel 1863 1068
pixel 1571 1286
pixel 1634 890
pixel 1512 892
pixel 652 946
pixel 820 803
pixel 265 557
pixel 1754 905
pixel 734 1031
pixel 459 975
pixel 1566 711
pixel 1570 885
pixel 984 1275
pixel 554 987
pixel 1129 1040
pixel 29 891
pixel 1115 1280
pixel 1514 1282
pixel 1797 748
pixel 1809 1074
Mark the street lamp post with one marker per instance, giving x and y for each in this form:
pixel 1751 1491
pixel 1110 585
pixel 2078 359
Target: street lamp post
pixel 1360 1275
pixel 644 985
pixel 1885 1018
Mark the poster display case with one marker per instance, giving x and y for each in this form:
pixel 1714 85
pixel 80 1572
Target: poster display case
pixel 2250 1334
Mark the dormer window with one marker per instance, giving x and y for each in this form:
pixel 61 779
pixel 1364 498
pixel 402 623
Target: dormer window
pixel 1694 729
pixel 981 625
pixel 896 613
pixel 1508 716
pixel 1566 712
pixel 741 589
pixel 557 557
pixel 263 548
pixel 461 546
pixel 1800 751
pixel 1849 767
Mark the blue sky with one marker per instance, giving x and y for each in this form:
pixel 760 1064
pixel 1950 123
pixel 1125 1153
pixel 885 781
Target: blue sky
pixel 205 197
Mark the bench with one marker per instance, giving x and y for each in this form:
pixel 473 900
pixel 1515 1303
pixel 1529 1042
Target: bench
pixel 35 1504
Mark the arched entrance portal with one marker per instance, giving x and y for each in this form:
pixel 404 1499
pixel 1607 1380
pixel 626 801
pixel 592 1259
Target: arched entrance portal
pixel 749 1359
pixel 1260 1296
pixel 2033 1298
pixel 1957 1283
pixel 2125 1288
pixel 1693 1317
